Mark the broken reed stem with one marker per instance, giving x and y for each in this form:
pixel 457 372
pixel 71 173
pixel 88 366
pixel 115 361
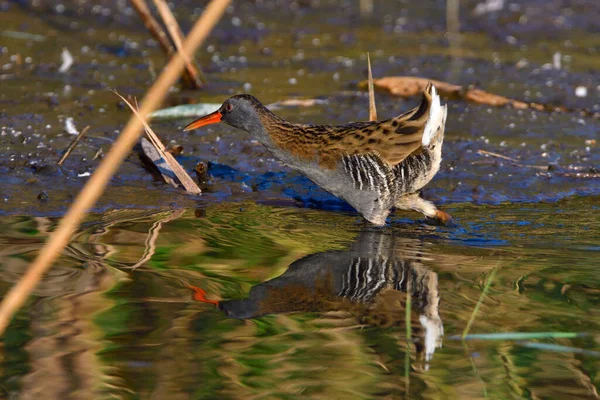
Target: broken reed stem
pixel 98 181
pixel 73 144
pixel 185 180
pixel 153 26
pixel 177 37
pixel 487 286
pixel 189 75
pixel 372 107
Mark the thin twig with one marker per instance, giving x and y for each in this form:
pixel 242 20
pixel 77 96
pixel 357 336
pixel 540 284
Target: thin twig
pixel 73 144
pixel 372 108
pixel 189 77
pixel 489 153
pixel 487 286
pixel 94 187
pixel 512 160
pixel 177 38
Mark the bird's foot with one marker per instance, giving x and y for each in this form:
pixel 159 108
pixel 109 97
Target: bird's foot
pixel 443 218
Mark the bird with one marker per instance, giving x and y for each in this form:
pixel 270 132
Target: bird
pixel 364 280
pixel 374 166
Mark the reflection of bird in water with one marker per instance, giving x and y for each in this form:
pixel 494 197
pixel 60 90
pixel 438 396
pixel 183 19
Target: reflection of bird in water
pixel 367 280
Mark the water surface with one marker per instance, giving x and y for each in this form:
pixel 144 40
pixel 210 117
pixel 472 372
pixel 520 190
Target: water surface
pixel 301 298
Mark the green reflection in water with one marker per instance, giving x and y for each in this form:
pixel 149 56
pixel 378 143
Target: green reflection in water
pixel 318 303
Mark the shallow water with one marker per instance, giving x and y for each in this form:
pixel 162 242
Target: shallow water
pixel 310 304
pixel 310 301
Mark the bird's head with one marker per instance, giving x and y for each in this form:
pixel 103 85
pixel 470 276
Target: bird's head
pixel 242 111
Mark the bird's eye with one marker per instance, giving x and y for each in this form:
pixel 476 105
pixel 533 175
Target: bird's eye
pixel 228 107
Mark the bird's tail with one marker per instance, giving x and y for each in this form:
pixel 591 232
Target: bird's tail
pixel 434 127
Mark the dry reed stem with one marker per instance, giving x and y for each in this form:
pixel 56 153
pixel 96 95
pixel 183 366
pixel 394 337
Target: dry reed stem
pixel 73 144
pixel 372 107
pixel 185 180
pixel 98 181
pixel 190 75
pixel 512 160
pixel 177 38
pixel 153 26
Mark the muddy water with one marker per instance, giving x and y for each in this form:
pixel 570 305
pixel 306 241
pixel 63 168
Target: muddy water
pixel 311 302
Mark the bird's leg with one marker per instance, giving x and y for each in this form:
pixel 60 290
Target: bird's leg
pixel 414 202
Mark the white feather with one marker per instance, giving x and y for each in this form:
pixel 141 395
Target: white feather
pixel 437 118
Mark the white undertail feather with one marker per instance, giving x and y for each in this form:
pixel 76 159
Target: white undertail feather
pixel 435 123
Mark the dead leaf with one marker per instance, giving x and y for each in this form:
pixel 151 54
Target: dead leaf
pixel 407 86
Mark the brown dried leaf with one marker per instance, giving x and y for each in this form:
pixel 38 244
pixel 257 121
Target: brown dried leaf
pixel 407 86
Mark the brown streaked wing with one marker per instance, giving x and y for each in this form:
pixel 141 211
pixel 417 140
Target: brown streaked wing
pixel 392 140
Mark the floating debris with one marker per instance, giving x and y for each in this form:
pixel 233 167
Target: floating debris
pixel 70 126
pixel 488 6
pixel 185 111
pixel 581 91
pixel 43 196
pixel 67 60
pixel 24 36
pixel 556 60
pixel 198 110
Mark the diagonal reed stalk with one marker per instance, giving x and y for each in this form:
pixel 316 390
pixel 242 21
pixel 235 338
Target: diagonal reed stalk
pixel 487 286
pixel 178 38
pixel 98 181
